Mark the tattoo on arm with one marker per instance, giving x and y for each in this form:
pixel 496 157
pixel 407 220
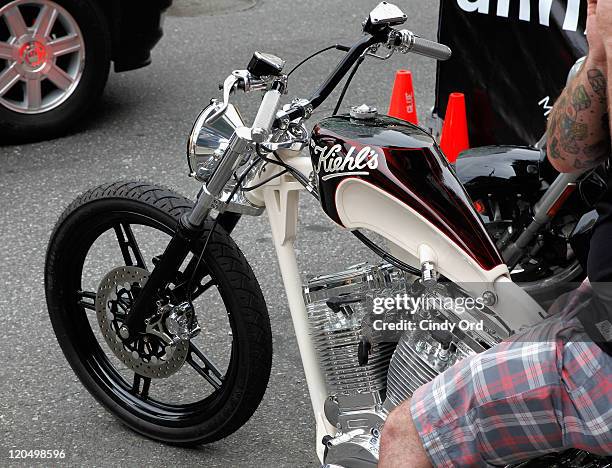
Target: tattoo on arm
pixel 598 83
pixel 580 99
pixel 598 150
pixel 589 162
pixel 573 132
pixel 554 149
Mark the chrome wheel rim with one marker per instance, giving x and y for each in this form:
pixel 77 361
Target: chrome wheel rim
pixel 42 55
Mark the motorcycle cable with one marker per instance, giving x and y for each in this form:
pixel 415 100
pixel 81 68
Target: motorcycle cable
pixel 335 46
pixel 301 178
pixel 348 82
pixel 396 262
pixel 209 235
pixel 233 192
pixel 264 182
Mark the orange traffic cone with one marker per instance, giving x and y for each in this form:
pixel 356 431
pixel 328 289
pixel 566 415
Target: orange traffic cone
pixel 454 137
pixel 403 104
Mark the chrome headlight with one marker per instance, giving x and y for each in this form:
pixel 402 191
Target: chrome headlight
pixel 208 142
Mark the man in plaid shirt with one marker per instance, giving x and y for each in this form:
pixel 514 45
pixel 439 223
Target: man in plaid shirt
pixel 550 388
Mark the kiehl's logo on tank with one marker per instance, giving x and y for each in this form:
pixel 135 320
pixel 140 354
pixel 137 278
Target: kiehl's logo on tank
pixel 333 162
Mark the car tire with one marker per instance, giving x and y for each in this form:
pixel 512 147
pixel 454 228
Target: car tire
pixel 84 57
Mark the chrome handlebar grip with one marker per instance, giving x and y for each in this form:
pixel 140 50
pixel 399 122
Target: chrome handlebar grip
pixel 431 49
pixel 410 42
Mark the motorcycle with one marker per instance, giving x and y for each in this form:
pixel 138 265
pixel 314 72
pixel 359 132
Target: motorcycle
pixel 540 220
pixel 154 315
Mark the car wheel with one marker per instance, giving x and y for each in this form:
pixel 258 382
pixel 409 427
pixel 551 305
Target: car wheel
pixel 54 63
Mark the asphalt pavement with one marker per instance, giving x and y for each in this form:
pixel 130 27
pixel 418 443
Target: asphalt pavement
pixel 138 131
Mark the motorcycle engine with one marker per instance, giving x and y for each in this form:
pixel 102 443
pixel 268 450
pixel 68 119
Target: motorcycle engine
pixel 368 371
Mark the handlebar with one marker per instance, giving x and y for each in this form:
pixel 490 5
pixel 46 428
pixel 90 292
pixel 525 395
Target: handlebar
pixel 405 41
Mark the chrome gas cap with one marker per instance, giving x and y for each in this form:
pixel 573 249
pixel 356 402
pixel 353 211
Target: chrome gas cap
pixel 363 112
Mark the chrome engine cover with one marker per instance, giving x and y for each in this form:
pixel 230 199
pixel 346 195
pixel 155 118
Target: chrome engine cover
pixel 341 313
pixel 355 391
pixel 420 355
pixel 336 334
pixel 415 362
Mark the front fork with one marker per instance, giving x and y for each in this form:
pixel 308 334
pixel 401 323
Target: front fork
pixel 189 230
pixel 545 210
pixel 191 225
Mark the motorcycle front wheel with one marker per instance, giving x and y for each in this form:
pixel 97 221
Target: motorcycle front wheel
pixel 224 372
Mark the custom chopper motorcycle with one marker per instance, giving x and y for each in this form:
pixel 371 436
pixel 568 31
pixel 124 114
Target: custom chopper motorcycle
pixel 129 324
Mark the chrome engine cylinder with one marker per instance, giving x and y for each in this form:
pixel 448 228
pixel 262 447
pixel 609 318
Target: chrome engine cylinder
pixel 409 369
pixel 346 312
pixel 337 305
pixel 421 355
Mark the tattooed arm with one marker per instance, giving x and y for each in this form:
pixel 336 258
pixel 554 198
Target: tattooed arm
pixel 578 135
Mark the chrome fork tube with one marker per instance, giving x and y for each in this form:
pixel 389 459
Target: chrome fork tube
pixel 191 225
pixel 240 143
pixel 268 109
pixel 544 212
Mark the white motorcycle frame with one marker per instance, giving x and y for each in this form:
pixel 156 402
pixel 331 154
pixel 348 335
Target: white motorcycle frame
pixel 413 239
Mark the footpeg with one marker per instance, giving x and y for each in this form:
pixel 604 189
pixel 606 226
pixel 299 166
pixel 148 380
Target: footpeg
pixel 357 447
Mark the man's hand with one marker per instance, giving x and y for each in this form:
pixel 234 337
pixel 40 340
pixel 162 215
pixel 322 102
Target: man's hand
pixel 603 15
pixel 597 48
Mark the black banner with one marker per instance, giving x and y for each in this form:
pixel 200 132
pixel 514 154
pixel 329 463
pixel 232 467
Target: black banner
pixel 510 59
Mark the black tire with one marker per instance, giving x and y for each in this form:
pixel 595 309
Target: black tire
pixel 228 408
pixel 16 127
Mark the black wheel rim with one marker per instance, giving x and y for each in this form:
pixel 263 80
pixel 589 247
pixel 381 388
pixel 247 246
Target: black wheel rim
pixel 134 396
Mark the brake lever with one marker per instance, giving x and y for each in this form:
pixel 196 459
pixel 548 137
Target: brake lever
pixel 228 86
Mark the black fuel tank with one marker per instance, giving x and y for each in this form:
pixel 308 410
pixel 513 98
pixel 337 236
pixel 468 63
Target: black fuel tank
pixel 404 161
pixel 502 170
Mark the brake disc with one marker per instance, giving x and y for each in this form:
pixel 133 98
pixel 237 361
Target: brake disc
pixel 147 355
